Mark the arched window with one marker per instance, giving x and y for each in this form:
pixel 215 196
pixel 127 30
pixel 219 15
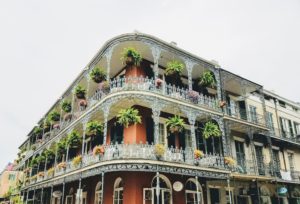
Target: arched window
pixel 118 191
pixel 162 185
pixel 193 192
pixel 98 193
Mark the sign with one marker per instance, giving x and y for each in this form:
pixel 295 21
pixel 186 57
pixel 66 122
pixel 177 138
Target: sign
pixel 177 186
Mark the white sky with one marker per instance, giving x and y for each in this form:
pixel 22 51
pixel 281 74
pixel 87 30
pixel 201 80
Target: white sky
pixel 45 44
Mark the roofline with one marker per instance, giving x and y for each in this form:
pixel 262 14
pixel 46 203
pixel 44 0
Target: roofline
pixel 274 95
pixel 107 44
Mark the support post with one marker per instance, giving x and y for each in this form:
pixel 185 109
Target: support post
pixel 189 66
pixel 229 191
pixel 102 188
pixel 156 55
pixel 105 108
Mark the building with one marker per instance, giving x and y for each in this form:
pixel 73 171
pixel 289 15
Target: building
pixel 10 181
pixel 148 130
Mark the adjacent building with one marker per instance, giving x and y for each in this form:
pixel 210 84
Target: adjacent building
pixel 161 125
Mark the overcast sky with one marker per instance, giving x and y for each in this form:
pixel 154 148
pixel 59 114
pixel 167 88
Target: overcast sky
pixel 45 44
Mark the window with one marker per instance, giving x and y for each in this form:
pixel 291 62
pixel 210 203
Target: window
pixel 297 128
pixel 69 199
pixel 282 104
pixel 162 133
pixel 253 115
pixel 240 156
pixel 260 160
pixel 286 127
pixel 116 132
pixel 270 122
pixel 291 161
pixel 118 191
pixel 193 192
pixel 276 163
pixel 98 193
pixel 161 184
pixel 11 177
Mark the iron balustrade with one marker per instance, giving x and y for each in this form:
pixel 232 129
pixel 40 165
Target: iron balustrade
pixel 139 152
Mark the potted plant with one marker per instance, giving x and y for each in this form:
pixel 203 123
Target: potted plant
pixel 131 56
pixel 158 82
pixel 82 103
pixel 37 131
pixel 198 154
pixel 194 96
pixel 175 124
pixel 49 154
pixel 222 104
pixel 211 130
pixel 98 150
pixel 94 128
pixel 229 161
pixel 159 151
pixel 41 159
pixel 207 79
pixel 73 139
pixel 77 160
pixel 104 86
pixel 98 74
pixel 66 106
pixel 46 125
pixel 33 178
pixel 62 165
pixel 33 162
pixel 174 67
pixel 41 174
pixel 54 116
pixel 129 116
pixel 50 172
pixel 80 92
pixel 60 147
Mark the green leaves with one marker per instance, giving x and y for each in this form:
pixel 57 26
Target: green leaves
pixel 211 130
pixel 61 146
pixel 207 79
pixel 131 56
pixel 54 116
pixel 66 106
pixel 73 139
pixel 128 117
pixel 34 162
pixel 37 131
pixel 175 124
pixel 98 74
pixel 174 67
pixel 80 92
pixel 94 128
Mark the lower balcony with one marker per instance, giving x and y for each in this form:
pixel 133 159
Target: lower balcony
pixel 134 152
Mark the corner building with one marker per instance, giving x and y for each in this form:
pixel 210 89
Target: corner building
pixel 258 131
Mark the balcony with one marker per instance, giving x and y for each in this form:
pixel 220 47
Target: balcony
pixel 137 152
pixel 276 132
pixel 245 115
pixel 250 167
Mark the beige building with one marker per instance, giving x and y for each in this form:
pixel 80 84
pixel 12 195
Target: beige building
pixel 9 182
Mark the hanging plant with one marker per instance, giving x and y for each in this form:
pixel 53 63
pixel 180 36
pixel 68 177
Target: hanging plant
pixel 82 103
pixel 211 130
pixel 41 159
pixel 128 117
pixel 98 150
pixel 73 139
pixel 66 106
pixel 62 165
pixel 207 79
pixel 229 161
pixel 46 125
pixel 37 131
pixel 61 147
pixel 77 160
pixel 34 162
pixel 98 74
pixel 54 116
pixel 41 174
pixel 49 154
pixel 175 124
pixel 94 128
pixel 131 56
pixel 174 67
pixel 80 92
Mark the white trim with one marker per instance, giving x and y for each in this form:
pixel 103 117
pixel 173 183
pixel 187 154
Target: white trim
pixel 238 139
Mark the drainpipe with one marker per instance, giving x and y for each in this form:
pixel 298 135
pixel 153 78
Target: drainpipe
pixel 102 189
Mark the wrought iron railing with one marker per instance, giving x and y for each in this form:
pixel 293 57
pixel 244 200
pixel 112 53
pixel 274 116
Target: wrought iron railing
pixel 244 114
pixel 140 152
pixel 276 132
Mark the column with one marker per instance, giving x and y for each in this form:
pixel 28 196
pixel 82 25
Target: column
pixel 156 107
pixel 226 139
pixel 105 108
pixel 262 98
pixel 84 123
pixel 27 196
pixel 88 79
pixel 218 84
pixel 250 135
pixel 73 101
pixel 61 114
pixel 63 193
pixel 51 192
pixel 157 187
pixel 192 121
pixel 33 196
pixel 189 67
pixel 102 187
pixel 271 165
pixel 42 192
pixel 156 55
pixel 108 55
